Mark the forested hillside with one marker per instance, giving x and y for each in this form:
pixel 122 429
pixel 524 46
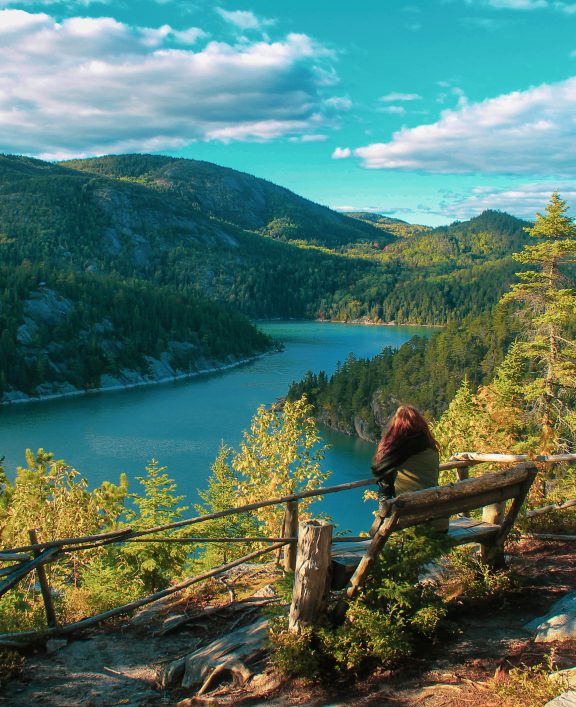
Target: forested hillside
pixel 234 197
pixel 362 393
pixel 86 238
pixel 503 380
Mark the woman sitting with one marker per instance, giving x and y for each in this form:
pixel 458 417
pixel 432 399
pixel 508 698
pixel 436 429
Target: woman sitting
pixel 407 458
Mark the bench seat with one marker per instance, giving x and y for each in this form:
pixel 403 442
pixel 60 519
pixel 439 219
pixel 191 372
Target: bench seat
pixel 346 556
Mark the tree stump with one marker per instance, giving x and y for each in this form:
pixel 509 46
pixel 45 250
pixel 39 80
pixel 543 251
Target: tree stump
pixel 312 581
pixel 290 530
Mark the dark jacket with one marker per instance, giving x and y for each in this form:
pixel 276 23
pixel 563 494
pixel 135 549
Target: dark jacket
pixel 410 465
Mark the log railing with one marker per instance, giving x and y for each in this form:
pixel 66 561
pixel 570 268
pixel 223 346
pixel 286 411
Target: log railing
pixel 36 555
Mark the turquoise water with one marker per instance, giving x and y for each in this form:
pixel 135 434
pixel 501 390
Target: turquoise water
pixel 182 424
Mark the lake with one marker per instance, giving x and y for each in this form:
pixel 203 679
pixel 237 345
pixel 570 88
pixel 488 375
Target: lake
pixel 182 424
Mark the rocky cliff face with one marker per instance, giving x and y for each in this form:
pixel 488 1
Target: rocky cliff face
pixel 235 198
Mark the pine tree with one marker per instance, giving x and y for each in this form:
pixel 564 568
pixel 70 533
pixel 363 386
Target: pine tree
pixel 223 493
pixel 155 563
pixel 547 307
pixel 457 429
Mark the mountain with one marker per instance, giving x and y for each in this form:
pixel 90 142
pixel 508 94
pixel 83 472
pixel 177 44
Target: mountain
pixel 395 226
pixel 110 265
pixel 233 197
pixel 490 236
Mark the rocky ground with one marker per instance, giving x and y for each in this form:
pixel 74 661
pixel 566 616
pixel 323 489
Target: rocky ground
pixel 119 665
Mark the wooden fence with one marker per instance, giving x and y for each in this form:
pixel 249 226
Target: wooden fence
pixel 36 555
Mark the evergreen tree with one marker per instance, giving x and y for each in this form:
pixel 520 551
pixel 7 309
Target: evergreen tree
pixel 155 564
pixel 547 307
pixel 457 429
pixel 223 493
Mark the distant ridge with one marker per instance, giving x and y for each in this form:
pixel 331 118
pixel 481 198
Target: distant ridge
pixel 235 197
pixel 131 266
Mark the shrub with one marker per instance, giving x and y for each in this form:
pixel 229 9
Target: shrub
pixel 472 579
pixel 529 686
pixel 384 624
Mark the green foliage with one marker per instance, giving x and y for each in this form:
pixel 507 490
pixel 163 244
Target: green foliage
pixel 125 257
pixel 456 431
pixel 547 305
pixel 394 613
pixel 491 419
pixel 475 581
pixel 427 372
pixel 558 487
pixel 155 564
pixel 222 493
pixel 280 455
pixel 50 495
pixel 529 686
pixel 22 610
pixel 108 580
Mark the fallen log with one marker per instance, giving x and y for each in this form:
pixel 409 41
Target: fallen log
pixel 230 656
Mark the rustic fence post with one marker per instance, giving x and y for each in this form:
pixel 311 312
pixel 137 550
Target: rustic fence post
pixel 290 530
pixel 494 513
pixel 463 473
pixel 493 553
pixel 44 586
pixel 312 580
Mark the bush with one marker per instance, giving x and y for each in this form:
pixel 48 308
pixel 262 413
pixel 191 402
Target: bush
pixel 22 610
pixel 468 577
pixel 529 686
pixel 385 623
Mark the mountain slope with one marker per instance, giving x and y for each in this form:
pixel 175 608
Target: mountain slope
pixel 234 197
pixel 90 235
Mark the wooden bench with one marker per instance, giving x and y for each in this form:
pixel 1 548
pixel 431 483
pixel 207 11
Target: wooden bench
pixel 352 562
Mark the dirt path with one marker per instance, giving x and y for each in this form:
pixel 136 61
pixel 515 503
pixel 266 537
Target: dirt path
pixel 118 667
pixel 104 669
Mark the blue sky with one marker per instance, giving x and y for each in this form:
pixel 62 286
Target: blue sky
pixel 429 111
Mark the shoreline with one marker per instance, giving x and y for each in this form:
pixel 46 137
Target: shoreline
pixel 370 322
pixel 139 384
pixel 194 374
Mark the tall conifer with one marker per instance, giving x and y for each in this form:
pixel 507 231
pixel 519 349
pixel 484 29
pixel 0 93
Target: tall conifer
pixel 547 306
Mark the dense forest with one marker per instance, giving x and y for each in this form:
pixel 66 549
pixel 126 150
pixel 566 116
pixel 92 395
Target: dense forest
pixel 507 374
pixel 88 248
pixel 425 371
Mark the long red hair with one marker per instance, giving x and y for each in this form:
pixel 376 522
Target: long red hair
pixel 406 421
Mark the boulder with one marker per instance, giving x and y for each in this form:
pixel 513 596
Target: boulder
pixel 566 678
pixel 559 624
pixel 566 699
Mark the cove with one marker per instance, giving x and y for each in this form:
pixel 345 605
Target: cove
pixel 182 424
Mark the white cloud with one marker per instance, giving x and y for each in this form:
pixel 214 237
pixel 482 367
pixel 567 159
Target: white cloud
pixel 190 35
pixel 524 132
pixel 341 153
pixel 340 102
pixel 96 85
pixel 518 4
pixel 317 137
pixel 243 19
pixel 398 97
pixel 522 200
pixel 568 8
pixel 68 3
pixel 393 110
pixel 366 209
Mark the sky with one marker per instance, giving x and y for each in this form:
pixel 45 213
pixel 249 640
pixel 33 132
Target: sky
pixel 428 111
